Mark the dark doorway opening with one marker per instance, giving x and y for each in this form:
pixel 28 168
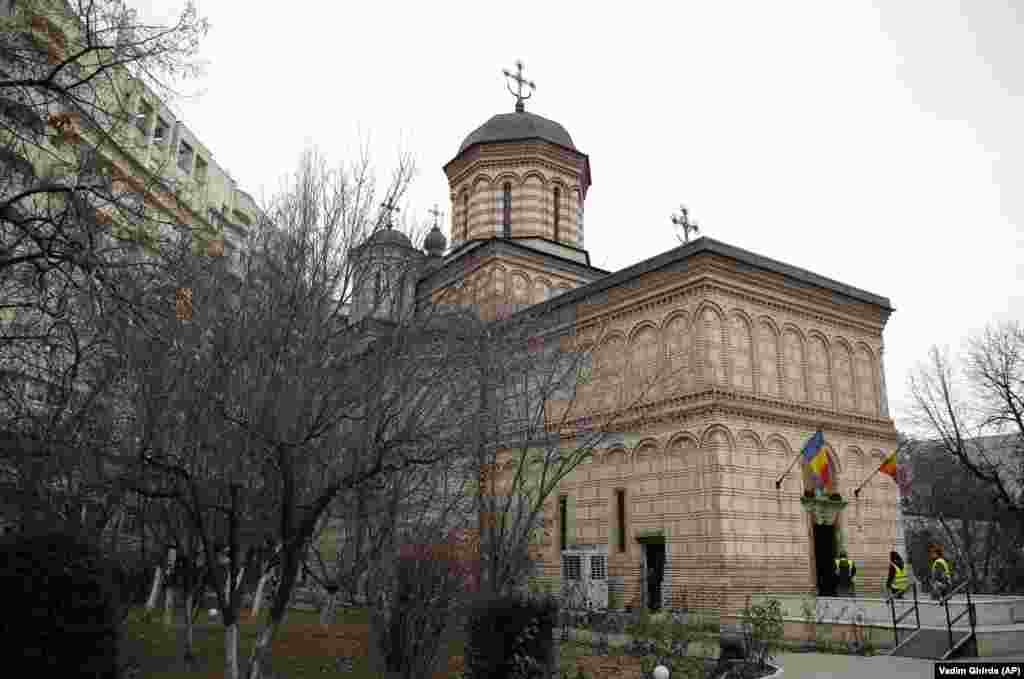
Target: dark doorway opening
pixel 824 557
pixel 655 553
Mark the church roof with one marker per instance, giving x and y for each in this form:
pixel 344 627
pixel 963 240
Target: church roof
pixel 517 126
pixel 676 259
pixel 393 236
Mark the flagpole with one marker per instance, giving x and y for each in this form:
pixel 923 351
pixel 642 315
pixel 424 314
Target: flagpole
pixel 856 493
pixel 896 452
pixel 778 484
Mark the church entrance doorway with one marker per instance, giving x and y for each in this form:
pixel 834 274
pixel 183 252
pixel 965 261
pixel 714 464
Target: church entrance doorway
pixel 824 556
pixel 654 553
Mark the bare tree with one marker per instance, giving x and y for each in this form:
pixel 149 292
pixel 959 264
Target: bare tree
pixel 964 513
pixel 958 405
pixel 969 416
pixel 71 218
pixel 363 528
pixel 267 406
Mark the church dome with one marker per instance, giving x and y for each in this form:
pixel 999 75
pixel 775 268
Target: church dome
pixel 390 237
pixel 435 242
pixel 517 126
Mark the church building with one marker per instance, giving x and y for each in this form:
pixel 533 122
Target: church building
pixel 688 509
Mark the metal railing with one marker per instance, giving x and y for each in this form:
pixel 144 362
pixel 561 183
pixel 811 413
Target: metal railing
pixel 968 610
pixel 895 621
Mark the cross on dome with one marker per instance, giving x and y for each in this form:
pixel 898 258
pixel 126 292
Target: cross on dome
pixel 518 78
pixel 436 214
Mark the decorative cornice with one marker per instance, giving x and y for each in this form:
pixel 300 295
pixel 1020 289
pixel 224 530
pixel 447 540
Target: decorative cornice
pixel 717 402
pixel 702 283
pixel 482 165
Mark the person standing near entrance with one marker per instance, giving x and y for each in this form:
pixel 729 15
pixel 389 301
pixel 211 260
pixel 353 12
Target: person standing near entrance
pixel 941 573
pixel 845 570
pixel 653 588
pixel 898 582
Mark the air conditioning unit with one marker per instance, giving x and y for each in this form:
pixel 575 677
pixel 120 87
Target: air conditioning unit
pixel 585 576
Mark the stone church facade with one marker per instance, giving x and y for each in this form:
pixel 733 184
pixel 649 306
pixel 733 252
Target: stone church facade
pixel 748 356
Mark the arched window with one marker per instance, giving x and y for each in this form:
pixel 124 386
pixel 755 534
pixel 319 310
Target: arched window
pixel 506 210
pixel 558 210
pixel 465 216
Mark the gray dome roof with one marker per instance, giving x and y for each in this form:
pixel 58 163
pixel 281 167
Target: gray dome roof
pixel 435 241
pixel 390 236
pixel 513 126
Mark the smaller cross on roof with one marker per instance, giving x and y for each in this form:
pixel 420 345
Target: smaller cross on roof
pixel 518 78
pixel 436 214
pixel 684 223
pixel 388 207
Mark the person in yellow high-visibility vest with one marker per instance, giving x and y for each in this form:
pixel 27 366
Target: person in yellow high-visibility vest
pixel 845 570
pixel 898 581
pixel 942 574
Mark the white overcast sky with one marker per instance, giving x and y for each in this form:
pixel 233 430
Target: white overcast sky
pixel 879 144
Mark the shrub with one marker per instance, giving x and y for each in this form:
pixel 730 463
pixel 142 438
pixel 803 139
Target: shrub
pixel 62 608
pixel 614 599
pixel 510 637
pixel 763 628
pixel 420 602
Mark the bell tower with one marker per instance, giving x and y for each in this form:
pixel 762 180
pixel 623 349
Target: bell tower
pixel 518 175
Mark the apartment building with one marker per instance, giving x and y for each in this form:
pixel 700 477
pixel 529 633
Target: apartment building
pixel 81 131
pixel 113 126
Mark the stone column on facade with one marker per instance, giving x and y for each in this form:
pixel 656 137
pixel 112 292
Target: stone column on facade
pixel 883 395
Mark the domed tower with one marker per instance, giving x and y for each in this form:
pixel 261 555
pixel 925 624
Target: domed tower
pixel 518 175
pixel 386 268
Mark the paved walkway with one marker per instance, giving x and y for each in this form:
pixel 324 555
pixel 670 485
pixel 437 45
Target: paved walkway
pixel 837 666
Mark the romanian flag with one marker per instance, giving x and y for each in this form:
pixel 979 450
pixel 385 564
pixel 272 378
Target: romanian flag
pixel 817 459
pixel 888 465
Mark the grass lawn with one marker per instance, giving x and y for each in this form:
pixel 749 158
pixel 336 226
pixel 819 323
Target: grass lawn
pixel 302 649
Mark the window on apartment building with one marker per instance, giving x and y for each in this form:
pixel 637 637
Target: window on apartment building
pixel 563 521
pixel 558 210
pixel 201 169
pixel 7 7
pixel 183 304
pixel 185 153
pixel 620 518
pixel 160 131
pixel 143 117
pixel 506 210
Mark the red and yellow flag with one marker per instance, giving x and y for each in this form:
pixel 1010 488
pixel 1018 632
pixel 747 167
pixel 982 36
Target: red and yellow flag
pixel 888 465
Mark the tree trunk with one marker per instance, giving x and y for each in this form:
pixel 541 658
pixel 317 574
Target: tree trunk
pixel 231 651
pixel 188 655
pixel 261 650
pixel 154 593
pixel 258 600
pixel 169 607
pixel 327 611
